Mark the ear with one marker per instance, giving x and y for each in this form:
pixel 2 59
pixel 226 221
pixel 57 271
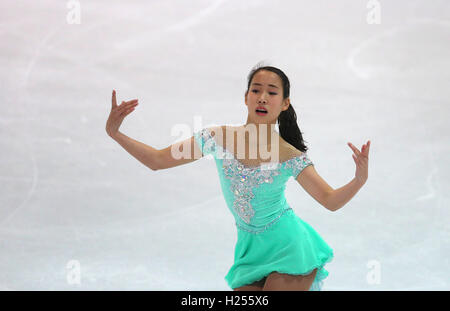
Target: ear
pixel 286 104
pixel 245 97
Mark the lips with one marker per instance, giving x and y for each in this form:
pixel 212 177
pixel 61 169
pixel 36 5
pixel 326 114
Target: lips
pixel 261 109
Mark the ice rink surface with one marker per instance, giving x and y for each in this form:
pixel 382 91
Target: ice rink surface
pixel 77 212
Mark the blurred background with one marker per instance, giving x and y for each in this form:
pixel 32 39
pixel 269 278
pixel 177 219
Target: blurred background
pixel 77 212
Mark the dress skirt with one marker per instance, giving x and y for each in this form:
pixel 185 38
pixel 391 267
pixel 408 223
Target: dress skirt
pixel 289 246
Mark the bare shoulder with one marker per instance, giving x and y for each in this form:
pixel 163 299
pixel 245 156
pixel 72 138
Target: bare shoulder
pixel 287 150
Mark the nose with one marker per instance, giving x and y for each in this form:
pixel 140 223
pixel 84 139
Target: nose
pixel 262 100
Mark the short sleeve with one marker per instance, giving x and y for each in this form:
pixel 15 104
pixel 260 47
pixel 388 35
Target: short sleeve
pixel 205 141
pixel 298 164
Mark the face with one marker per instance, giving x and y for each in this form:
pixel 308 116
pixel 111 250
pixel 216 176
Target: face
pixel 266 92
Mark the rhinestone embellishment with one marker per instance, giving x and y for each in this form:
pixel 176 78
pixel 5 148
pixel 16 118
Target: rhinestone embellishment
pixel 266 226
pixel 207 141
pixel 244 179
pixel 297 164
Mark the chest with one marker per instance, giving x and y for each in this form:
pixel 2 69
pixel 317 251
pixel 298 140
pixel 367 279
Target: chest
pixel 253 152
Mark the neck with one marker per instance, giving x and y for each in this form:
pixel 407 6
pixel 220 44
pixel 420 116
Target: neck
pixel 265 132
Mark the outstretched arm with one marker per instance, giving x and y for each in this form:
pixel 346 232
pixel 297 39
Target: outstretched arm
pixel 153 158
pixel 334 199
pixel 316 186
pixel 146 154
pixel 341 196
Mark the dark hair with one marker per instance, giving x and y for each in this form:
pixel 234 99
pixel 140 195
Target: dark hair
pixel 287 120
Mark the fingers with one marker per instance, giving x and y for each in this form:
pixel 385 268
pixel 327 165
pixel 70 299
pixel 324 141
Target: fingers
pixel 364 150
pixel 126 112
pixel 355 150
pixel 113 100
pixel 124 105
pixel 127 104
pixel 127 107
pixel 368 148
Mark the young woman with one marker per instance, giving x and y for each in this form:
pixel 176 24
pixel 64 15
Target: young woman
pixel 275 249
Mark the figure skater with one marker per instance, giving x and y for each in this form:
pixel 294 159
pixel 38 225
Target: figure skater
pixel 275 249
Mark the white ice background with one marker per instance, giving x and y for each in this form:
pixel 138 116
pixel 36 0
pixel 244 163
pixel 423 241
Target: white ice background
pixel 70 194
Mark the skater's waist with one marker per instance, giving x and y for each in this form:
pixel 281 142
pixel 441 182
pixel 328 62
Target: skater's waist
pixel 262 227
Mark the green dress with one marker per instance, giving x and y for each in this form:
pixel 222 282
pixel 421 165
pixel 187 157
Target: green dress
pixel 270 236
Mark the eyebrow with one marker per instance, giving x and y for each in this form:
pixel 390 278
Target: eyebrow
pixel 268 84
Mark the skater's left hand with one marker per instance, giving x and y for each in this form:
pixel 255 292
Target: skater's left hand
pixel 361 159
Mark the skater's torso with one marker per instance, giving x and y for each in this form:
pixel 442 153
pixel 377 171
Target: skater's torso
pixel 253 187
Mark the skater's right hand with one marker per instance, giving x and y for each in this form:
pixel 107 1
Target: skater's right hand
pixel 118 113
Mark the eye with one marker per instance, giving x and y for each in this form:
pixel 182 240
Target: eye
pixel 271 93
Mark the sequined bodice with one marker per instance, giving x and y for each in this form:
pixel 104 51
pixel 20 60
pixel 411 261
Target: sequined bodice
pixel 254 195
